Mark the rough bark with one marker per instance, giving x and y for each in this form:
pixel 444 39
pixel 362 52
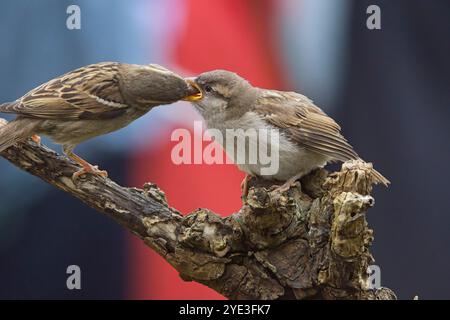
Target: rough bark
pixel 310 242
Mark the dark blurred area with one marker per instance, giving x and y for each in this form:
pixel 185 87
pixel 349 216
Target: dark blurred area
pixel 395 108
pixel 388 88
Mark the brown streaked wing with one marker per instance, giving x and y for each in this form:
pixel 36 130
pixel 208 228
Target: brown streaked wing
pixel 88 92
pixel 306 124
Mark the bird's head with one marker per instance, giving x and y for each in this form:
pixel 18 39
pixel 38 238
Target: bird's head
pixel 218 90
pixel 150 85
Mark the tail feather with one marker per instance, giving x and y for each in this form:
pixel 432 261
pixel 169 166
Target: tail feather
pixel 15 131
pixel 8 107
pixel 379 178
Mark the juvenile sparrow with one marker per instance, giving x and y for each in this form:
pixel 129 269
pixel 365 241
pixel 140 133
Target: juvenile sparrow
pixel 90 101
pixel 308 138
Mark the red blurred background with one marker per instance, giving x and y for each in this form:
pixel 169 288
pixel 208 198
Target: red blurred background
pixel 235 35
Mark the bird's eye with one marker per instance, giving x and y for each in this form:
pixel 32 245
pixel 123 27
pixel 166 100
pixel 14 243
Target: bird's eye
pixel 208 88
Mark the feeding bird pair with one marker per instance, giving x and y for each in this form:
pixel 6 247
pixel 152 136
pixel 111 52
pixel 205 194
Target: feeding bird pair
pixel 104 97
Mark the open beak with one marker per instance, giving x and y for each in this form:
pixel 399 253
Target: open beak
pixel 197 95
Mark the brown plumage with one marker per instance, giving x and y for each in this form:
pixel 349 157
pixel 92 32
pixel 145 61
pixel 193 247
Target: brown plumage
pixel 305 123
pixel 90 101
pixel 308 137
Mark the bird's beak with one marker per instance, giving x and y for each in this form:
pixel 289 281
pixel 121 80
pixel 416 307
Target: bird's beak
pixel 197 95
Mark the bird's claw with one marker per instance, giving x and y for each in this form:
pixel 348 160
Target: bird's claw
pixel 244 185
pixel 36 139
pixel 92 170
pixel 287 185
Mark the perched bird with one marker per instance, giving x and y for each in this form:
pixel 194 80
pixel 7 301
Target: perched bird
pixel 90 101
pixel 308 138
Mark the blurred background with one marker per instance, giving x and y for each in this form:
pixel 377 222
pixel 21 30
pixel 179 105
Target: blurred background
pixel 388 88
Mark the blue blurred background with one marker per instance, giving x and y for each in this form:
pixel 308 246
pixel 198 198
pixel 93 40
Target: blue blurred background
pixel 388 88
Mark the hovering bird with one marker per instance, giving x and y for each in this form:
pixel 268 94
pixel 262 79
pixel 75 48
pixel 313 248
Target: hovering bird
pixel 88 102
pixel 308 138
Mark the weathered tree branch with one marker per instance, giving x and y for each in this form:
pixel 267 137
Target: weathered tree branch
pixel 310 242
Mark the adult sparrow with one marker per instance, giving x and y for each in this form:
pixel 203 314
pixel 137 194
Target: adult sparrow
pixel 90 101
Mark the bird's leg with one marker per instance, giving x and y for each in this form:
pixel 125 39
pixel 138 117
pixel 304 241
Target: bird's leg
pixel 244 185
pixel 86 166
pixel 36 139
pixel 291 182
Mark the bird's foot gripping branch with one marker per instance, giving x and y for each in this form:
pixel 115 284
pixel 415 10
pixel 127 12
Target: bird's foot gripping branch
pixel 311 241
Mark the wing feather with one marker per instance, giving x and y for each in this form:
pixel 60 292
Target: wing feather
pixel 89 92
pixel 306 124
